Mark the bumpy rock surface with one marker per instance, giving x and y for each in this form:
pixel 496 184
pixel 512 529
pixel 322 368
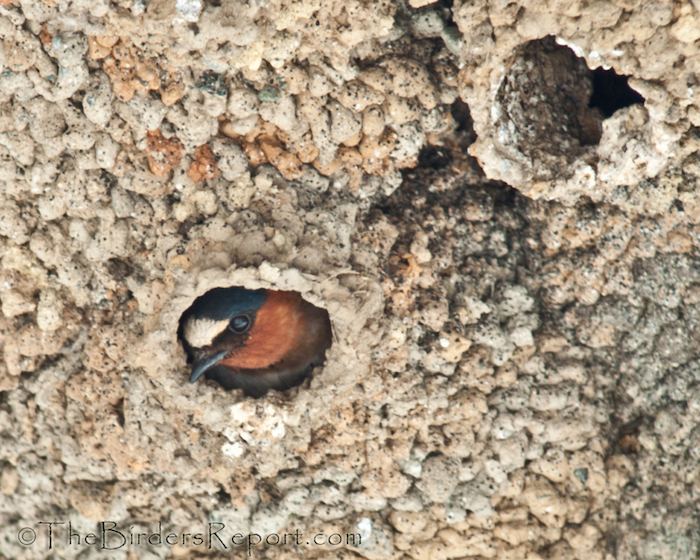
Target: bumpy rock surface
pixel 507 243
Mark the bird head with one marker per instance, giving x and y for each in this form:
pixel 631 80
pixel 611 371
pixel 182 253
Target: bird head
pixel 218 324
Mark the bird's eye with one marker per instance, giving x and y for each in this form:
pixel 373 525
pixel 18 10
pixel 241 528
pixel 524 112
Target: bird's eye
pixel 239 324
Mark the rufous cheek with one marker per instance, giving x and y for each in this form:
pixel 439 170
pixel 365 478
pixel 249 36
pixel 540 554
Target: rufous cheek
pixel 278 327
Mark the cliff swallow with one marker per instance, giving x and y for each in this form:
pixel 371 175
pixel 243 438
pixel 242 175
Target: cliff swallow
pixel 254 340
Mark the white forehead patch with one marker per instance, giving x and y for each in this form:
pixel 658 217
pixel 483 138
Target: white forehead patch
pixel 201 332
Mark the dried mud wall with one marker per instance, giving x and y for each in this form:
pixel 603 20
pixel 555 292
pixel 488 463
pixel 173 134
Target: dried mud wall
pixel 507 248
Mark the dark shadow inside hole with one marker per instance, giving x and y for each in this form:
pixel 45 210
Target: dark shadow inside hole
pixel 460 113
pixel 611 92
pixel 456 145
pixel 434 157
pixel 224 497
pixel 119 410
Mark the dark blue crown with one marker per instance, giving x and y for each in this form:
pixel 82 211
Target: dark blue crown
pixel 220 304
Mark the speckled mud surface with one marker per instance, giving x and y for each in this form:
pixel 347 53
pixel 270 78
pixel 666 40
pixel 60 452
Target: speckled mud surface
pixel 508 249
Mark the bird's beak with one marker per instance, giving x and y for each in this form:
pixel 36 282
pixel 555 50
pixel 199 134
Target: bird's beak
pixel 203 363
